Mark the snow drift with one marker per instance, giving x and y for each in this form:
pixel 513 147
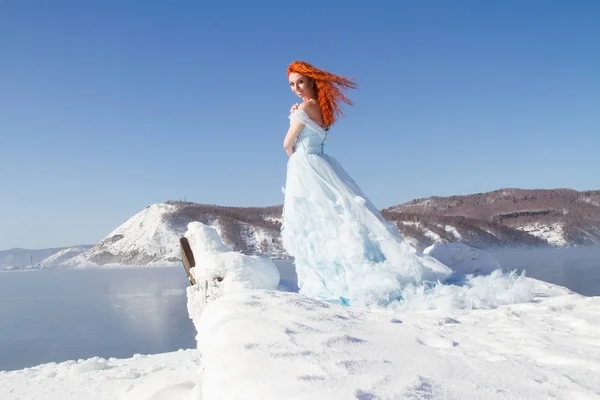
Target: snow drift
pixel 268 344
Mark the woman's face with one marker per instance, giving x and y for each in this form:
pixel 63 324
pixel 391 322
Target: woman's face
pixel 301 85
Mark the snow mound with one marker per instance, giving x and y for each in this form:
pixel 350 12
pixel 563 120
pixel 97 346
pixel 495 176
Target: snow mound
pixel 168 376
pixel 220 270
pixel 463 259
pixel 89 365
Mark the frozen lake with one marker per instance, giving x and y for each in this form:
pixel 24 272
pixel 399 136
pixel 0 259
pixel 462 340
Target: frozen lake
pixel 58 315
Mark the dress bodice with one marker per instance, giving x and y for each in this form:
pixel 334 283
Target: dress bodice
pixel 311 138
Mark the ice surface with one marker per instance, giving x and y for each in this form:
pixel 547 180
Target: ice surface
pixel 463 259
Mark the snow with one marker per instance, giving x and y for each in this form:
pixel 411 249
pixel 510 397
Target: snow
pixel 256 341
pixel 144 238
pixel 262 240
pixel 307 349
pixel 552 233
pixel 60 257
pixel 217 225
pixel 266 344
pixel 453 231
pixel 431 235
pixel 411 223
pixel 436 238
pixel 222 270
pixel 170 376
pixel 491 232
pixel 18 258
pixel 589 201
pixel 265 242
pixel 274 219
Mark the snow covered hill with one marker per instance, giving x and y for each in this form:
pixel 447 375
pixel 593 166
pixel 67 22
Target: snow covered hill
pixel 36 258
pixel 145 238
pixel 151 237
pixel 59 258
pixel 556 217
pixel 426 230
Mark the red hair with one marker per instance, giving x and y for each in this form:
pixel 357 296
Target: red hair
pixel 328 87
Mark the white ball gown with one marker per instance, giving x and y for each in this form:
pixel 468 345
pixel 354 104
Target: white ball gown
pixel 344 249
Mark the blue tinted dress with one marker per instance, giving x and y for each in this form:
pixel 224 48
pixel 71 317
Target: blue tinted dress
pixel 344 250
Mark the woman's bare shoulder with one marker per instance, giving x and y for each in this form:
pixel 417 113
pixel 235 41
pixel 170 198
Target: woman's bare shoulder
pixel 309 105
pixel 312 109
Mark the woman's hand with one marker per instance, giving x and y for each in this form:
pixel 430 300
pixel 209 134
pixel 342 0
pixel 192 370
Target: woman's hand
pixel 294 107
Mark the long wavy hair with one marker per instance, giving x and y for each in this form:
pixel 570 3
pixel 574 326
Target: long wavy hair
pixel 329 87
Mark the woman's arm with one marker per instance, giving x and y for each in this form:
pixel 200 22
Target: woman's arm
pixel 290 137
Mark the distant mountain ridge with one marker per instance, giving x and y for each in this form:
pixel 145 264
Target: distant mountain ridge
pixel 505 217
pixel 560 217
pixel 18 258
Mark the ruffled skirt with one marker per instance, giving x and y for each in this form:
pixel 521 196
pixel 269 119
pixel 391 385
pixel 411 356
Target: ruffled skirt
pixel 344 249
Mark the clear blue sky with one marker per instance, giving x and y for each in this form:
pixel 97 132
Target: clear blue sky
pixel 109 106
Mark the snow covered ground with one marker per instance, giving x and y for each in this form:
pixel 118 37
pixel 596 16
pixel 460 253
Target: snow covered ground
pixel 552 233
pixel 140 377
pixel 308 349
pixel 264 343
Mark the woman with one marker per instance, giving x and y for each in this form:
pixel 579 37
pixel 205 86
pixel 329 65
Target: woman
pixel 344 249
